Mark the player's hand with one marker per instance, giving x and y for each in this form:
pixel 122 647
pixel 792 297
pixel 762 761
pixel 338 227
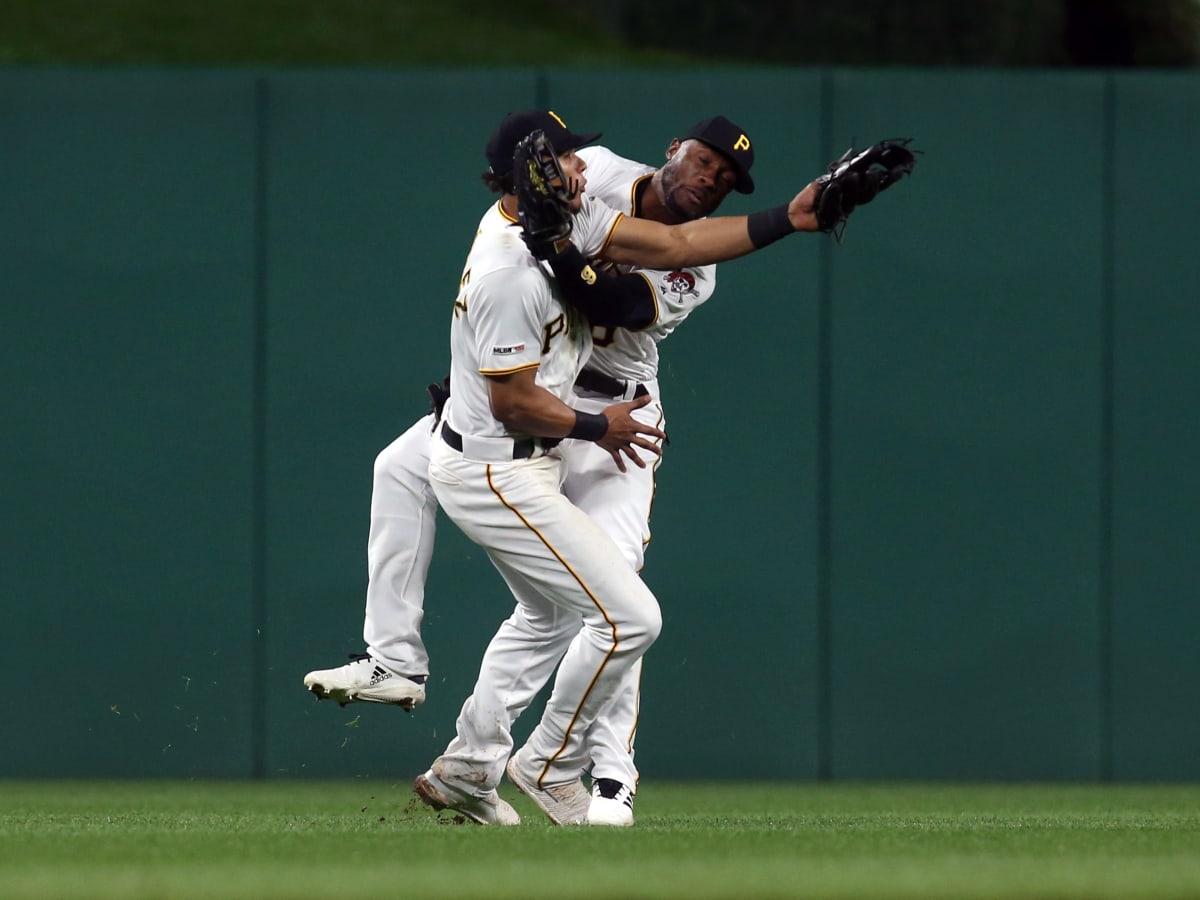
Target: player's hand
pixel 802 210
pixel 625 434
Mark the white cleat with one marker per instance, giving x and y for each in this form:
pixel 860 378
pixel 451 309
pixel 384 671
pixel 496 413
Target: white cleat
pixel 441 790
pixel 365 678
pixel 564 804
pixel 611 804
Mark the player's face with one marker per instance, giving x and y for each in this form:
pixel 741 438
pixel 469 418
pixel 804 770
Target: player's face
pixel 695 179
pixel 573 166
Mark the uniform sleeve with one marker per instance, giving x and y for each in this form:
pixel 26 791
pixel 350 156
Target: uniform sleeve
pixel 678 292
pixel 613 179
pixel 507 311
pixel 594 224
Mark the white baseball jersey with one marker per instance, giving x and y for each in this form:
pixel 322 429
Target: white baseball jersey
pixel 633 355
pixel 508 316
pixel 403 512
pixel 574 588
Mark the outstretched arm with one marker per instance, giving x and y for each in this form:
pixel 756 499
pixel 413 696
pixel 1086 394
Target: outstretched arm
pixel 642 242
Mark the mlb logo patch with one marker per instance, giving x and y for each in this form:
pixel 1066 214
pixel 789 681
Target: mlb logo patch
pixel 508 350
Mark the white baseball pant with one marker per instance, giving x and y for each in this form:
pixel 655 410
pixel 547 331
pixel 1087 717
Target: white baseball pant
pixel 560 564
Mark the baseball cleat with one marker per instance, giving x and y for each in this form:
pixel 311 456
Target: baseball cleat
pixel 611 804
pixel 439 789
pixel 563 804
pixel 365 678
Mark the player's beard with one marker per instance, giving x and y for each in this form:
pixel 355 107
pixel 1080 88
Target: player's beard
pixel 680 200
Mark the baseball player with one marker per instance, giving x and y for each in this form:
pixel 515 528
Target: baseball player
pixel 713 158
pixel 496 477
pixel 691 184
pixel 403 508
pixel 516 350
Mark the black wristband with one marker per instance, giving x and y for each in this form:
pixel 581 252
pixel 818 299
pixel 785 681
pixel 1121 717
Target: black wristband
pixel 589 426
pixel 769 225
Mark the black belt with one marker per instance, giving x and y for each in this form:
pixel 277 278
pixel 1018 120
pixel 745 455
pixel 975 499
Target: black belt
pixel 599 383
pixel 523 448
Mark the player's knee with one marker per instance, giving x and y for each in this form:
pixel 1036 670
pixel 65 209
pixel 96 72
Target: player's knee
pixel 403 463
pixel 634 556
pixel 383 465
pixel 643 628
pixel 653 629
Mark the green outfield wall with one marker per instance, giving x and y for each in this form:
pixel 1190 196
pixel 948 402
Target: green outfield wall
pixel 931 506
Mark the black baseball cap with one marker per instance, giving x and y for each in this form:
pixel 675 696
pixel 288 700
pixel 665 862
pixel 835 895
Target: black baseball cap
pixel 518 125
pixel 731 141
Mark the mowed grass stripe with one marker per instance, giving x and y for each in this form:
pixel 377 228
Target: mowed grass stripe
pixel 323 839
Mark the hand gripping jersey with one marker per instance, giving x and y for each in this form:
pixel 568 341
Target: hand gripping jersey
pixel 508 316
pixel 633 355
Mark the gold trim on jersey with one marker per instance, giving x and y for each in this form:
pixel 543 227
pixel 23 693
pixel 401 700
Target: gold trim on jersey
pixel 532 365
pixel 504 212
pixel 608 236
pixel 654 294
pixel 633 191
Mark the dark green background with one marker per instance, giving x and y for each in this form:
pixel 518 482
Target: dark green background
pixel 930 507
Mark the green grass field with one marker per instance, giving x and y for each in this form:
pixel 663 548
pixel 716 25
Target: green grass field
pixel 302 839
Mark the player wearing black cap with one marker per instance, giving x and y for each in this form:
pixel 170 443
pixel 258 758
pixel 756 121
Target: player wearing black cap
pixel 547 566
pixel 518 125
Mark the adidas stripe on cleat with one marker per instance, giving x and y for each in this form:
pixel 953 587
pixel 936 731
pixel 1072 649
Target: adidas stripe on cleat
pixel 366 679
pixel 612 804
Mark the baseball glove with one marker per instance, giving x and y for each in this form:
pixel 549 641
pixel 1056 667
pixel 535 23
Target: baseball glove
pixel 438 395
pixel 856 179
pixel 543 201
